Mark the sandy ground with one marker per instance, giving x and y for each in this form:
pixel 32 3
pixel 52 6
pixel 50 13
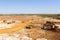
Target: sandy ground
pixel 36 32
pixel 39 33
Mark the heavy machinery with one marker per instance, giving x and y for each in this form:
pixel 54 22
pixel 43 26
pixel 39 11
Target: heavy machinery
pixel 49 26
pixel 18 26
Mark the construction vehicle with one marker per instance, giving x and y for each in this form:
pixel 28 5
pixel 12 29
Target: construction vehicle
pixel 49 26
pixel 18 26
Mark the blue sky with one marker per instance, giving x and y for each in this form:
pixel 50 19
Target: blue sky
pixel 29 6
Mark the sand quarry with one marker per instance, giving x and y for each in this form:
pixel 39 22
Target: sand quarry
pixel 34 33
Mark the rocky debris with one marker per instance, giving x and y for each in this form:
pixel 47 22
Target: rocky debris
pixel 41 39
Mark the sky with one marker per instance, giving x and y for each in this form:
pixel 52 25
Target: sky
pixel 29 6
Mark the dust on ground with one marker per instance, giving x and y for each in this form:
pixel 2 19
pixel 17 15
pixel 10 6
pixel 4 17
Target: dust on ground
pixel 36 32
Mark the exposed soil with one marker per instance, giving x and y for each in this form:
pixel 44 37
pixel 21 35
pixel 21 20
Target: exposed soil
pixel 37 32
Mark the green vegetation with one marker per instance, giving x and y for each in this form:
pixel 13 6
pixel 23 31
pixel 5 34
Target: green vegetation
pixel 44 15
